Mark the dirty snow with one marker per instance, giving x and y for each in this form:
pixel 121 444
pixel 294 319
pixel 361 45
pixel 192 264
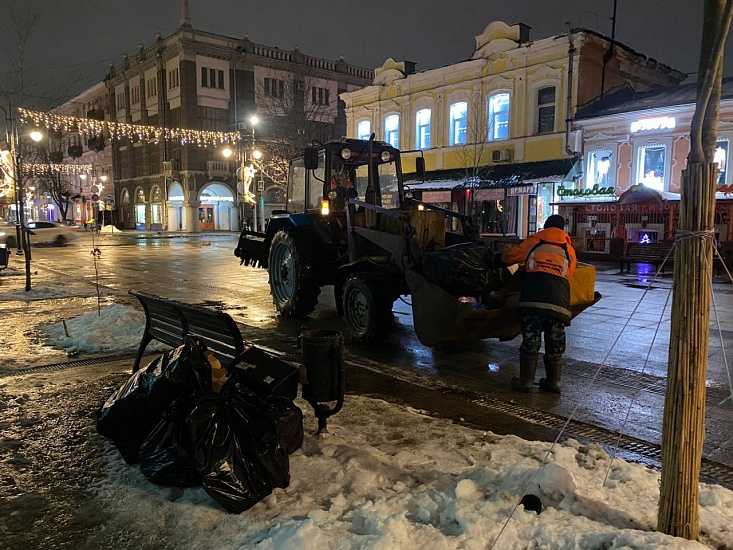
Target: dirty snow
pixel 390 477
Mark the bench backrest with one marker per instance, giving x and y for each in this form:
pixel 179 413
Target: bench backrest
pixel 168 321
pixel 654 250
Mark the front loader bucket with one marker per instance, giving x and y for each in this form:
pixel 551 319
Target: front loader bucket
pixel 441 319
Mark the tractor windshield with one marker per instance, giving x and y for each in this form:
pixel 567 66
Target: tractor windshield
pixel 385 177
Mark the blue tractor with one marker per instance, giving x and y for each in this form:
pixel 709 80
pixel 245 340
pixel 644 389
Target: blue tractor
pixel 349 222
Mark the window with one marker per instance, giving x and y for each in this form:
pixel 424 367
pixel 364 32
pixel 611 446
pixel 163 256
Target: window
pixel 498 117
pixel 422 129
pixel 600 169
pixel 273 87
pixel 721 157
pixel 392 130
pixel 651 167
pixel 151 87
pixel 320 96
pixel 174 79
pixel 363 129
pixel 120 100
pixel 458 115
pixel 212 78
pixel 135 95
pixel 546 110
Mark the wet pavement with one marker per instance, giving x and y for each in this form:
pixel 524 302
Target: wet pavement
pixel 614 377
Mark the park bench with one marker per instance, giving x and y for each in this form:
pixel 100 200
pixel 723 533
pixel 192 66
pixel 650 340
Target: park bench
pixel 648 253
pixel 169 321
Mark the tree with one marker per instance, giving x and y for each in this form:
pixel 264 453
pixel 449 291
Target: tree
pixel 300 109
pixel 683 427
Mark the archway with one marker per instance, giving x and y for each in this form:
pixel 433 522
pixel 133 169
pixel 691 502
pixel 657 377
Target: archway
pixel 175 207
pixel 217 210
pixel 156 209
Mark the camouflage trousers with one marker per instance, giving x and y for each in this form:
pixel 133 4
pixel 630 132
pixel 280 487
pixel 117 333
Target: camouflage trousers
pixel 534 323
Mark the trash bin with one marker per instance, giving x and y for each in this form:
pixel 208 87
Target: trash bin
pixel 324 368
pixel 4 256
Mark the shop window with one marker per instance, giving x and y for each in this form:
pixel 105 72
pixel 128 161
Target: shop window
pixel 546 110
pixel 600 169
pixel 498 117
pixel 651 166
pixel 363 129
pixel 422 129
pixel 392 130
pixel 458 121
pixel 721 158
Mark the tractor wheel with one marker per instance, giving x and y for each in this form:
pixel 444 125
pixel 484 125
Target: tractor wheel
pixel 293 288
pixel 367 310
pixel 60 240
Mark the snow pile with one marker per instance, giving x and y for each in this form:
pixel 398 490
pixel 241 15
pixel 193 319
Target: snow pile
pixel 387 477
pixel 116 328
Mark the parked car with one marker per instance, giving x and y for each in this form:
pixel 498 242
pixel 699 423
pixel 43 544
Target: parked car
pixel 40 232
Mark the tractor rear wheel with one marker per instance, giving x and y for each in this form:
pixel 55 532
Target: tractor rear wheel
pixel 292 284
pixel 367 309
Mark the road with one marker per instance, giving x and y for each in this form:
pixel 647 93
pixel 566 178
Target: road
pixel 613 380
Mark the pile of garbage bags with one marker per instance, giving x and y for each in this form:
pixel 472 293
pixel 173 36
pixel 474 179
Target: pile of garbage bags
pixel 186 425
pixel 466 270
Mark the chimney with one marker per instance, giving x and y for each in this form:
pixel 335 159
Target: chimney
pixel 185 18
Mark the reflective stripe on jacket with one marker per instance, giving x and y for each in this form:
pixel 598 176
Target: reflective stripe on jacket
pixel 550 262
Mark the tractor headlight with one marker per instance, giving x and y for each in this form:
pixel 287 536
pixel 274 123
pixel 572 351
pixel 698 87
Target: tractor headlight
pixel 346 153
pixel 332 195
pixel 408 195
pixel 325 208
pixel 386 156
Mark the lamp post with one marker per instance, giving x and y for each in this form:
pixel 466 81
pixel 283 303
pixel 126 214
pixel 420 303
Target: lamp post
pixel 244 160
pixel 100 178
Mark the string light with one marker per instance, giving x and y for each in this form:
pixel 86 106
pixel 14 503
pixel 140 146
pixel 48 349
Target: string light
pixel 45 169
pixel 117 130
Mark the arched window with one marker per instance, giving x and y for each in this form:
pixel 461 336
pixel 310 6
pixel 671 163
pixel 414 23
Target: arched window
pixel 363 129
pixel 392 130
pixel 422 129
pixel 498 117
pixel 458 123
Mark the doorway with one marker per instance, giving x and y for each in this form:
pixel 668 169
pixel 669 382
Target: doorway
pixel 206 217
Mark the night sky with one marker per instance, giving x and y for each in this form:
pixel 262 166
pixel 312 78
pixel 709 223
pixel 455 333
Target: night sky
pixel 74 41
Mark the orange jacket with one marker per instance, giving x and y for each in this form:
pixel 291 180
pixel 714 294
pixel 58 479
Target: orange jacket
pixel 547 254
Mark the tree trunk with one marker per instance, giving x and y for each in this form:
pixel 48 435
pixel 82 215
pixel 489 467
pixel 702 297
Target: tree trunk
pixel 683 428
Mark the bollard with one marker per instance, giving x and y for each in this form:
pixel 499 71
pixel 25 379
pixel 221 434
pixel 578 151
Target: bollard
pixel 323 362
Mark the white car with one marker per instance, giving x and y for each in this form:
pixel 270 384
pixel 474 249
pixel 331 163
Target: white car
pixel 39 232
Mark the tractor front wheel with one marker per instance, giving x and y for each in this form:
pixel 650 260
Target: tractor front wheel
pixel 367 311
pixel 292 285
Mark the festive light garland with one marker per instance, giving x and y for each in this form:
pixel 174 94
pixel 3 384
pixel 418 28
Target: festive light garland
pixel 117 130
pixel 45 169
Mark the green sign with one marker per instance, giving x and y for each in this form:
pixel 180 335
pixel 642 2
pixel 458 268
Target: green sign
pixel 596 190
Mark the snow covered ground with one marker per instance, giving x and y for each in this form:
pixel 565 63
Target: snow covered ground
pixel 389 477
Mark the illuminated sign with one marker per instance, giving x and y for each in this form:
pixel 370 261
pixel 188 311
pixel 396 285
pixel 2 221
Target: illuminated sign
pixel 656 123
pixel 563 191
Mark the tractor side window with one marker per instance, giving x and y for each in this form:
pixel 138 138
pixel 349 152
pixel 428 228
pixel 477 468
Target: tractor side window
pixel 296 187
pixel 388 185
pixel 315 192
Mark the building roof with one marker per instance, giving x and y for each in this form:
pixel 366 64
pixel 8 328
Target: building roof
pixel 625 100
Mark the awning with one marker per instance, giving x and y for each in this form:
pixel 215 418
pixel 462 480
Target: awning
pixel 640 193
pixel 442 185
pixel 528 173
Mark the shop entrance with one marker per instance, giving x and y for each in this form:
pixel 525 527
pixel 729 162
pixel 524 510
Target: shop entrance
pixel 206 217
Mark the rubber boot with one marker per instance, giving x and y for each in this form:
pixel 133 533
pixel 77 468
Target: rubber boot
pixel 553 368
pixel 527 368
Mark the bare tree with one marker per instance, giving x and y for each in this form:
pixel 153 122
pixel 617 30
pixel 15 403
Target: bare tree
pixel 300 109
pixel 683 427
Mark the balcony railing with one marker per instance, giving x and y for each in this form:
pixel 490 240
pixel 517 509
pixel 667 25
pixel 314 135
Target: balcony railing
pixel 171 168
pixel 217 168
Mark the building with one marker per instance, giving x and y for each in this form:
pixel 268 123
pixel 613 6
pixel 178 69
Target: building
pixel 91 189
pixel 496 130
pixel 635 148
pixel 199 80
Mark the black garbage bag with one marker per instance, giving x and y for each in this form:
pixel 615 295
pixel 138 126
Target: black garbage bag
pixel 464 269
pixel 134 409
pixel 166 456
pixel 238 447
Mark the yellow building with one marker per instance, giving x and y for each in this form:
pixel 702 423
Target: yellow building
pixel 496 130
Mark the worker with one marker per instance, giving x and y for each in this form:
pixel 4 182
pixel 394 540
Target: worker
pixel 544 301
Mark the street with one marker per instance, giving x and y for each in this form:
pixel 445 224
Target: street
pixel 613 380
